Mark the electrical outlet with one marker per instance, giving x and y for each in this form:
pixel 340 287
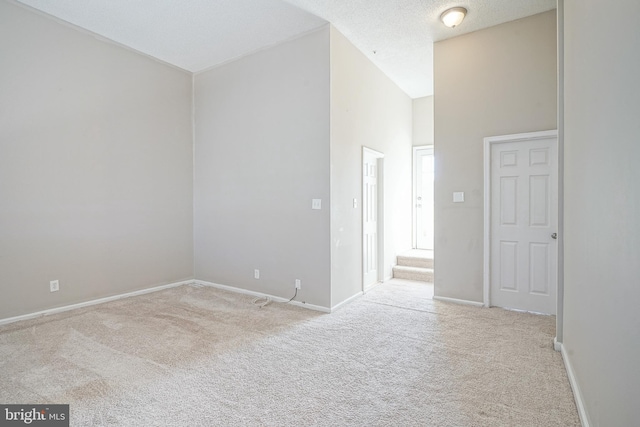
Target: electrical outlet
pixel 54 286
pixel 256 274
pixel 298 285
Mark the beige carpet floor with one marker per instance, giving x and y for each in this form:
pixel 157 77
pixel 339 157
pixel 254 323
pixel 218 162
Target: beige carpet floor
pixel 197 356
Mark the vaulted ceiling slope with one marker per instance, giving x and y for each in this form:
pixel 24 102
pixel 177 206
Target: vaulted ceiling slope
pixel 191 34
pixel 397 35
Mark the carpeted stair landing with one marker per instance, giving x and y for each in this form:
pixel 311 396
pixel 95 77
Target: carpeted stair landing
pixel 416 264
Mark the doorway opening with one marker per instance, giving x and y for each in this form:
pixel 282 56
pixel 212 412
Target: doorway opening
pixel 423 177
pixel 372 218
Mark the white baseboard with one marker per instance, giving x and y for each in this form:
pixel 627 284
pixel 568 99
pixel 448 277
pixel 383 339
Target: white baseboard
pixel 577 394
pixel 261 295
pixel 459 301
pixel 348 300
pixel 91 302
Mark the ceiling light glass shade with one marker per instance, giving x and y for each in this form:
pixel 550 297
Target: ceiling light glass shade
pixel 454 16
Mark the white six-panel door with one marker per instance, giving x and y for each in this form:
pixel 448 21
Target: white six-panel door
pixel 524 212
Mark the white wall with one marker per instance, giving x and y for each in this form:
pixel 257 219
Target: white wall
pixel 602 207
pixel 497 81
pixel 367 109
pixel 262 154
pixel 95 167
pixel 423 121
pixel 263 138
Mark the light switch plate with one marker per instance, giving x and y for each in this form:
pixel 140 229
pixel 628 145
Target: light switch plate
pixel 316 204
pixel 458 197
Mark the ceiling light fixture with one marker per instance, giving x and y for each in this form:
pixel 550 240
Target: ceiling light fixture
pixel 453 17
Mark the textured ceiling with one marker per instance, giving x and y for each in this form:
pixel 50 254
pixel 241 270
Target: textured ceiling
pixel 402 32
pixel 397 35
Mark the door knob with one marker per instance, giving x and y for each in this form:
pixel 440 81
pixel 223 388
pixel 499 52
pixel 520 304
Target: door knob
pixel 554 236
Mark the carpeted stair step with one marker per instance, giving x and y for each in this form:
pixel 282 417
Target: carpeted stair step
pixel 413 261
pixel 413 273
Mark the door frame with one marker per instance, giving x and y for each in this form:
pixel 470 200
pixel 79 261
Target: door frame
pixel 488 143
pixel 380 208
pixel 414 234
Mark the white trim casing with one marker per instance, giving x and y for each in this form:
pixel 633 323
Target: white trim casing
pixel 488 141
pixel 92 302
pixel 560 285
